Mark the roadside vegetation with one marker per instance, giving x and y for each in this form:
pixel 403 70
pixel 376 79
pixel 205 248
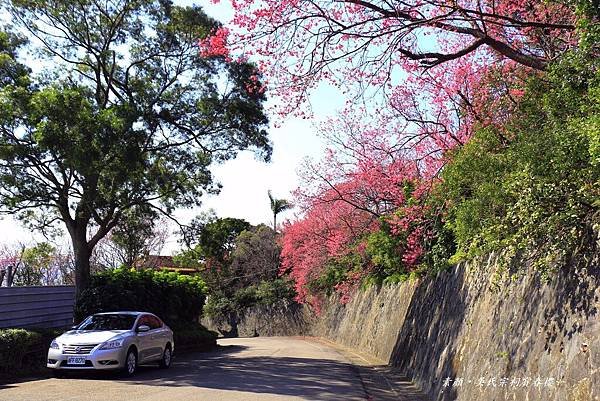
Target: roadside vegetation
pixel 240 265
pixel 24 351
pixel 528 188
pixel 476 151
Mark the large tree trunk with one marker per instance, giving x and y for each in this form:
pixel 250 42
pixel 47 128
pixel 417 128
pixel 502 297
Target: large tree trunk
pixel 82 255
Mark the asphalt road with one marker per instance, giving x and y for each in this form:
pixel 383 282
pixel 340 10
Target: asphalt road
pixel 265 369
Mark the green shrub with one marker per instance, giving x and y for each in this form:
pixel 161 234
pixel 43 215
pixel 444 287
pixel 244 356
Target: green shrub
pixel 383 251
pixel 274 291
pixel 24 351
pixel 538 189
pixel 334 273
pixel 177 299
pixel 14 346
pixel 221 308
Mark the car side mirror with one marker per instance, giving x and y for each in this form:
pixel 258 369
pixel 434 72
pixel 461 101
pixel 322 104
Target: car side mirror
pixel 143 328
pixel 74 327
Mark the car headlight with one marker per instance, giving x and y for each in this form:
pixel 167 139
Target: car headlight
pixel 54 345
pixel 112 344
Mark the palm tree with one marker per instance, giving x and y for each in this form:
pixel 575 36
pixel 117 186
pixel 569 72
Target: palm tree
pixel 278 206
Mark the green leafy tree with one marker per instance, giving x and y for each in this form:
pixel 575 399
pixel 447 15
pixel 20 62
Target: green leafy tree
pixel 539 193
pixel 11 71
pixel 231 253
pixel 39 264
pixel 209 237
pixel 126 114
pixel 211 241
pixel 140 233
pixel 256 255
pixel 132 234
pixel 239 264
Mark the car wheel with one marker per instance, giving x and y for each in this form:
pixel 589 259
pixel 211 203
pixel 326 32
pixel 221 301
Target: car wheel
pixel 131 362
pixel 167 356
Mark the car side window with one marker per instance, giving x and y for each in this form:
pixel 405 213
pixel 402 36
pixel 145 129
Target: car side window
pixel 143 321
pixel 155 322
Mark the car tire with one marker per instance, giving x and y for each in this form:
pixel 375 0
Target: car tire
pixel 167 357
pixel 131 363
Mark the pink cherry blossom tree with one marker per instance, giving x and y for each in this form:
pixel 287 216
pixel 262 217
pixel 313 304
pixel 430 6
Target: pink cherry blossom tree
pixel 420 76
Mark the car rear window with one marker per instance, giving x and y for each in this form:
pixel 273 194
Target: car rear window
pixel 108 322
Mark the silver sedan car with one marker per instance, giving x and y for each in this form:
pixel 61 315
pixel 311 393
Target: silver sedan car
pixel 114 340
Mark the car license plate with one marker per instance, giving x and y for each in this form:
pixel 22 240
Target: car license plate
pixel 76 360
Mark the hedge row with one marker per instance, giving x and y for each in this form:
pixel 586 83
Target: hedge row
pixel 175 298
pixel 24 351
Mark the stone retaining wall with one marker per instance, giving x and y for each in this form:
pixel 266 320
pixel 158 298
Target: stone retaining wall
pixel 475 333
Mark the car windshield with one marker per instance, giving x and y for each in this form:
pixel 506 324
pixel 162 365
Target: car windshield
pixel 108 322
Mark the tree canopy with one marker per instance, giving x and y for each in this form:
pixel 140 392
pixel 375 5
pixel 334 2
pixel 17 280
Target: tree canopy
pixel 210 237
pixel 124 113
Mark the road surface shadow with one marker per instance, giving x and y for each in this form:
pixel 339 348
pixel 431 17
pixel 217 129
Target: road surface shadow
pixel 317 379
pixel 12 381
pixel 7 381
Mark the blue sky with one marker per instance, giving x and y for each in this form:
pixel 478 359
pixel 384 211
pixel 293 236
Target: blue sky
pixel 245 180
